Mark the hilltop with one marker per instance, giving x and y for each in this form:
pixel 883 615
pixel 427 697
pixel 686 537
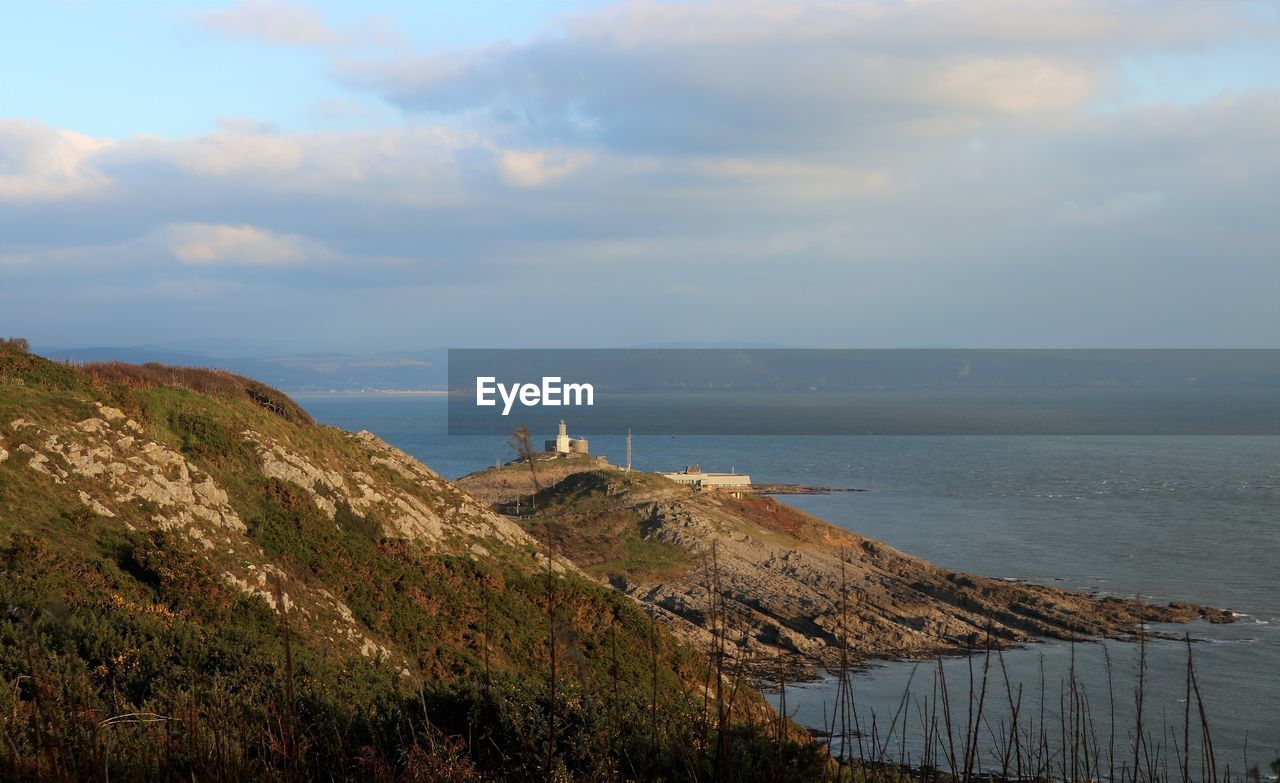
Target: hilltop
pixel 201 582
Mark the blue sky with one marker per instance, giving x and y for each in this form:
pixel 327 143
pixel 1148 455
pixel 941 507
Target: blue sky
pixel 377 176
pixel 121 68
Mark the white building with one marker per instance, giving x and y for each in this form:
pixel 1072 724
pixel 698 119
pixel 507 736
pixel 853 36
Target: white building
pixel 694 476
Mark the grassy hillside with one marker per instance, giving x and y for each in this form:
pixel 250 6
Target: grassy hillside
pixel 606 538
pixel 504 484
pixel 202 583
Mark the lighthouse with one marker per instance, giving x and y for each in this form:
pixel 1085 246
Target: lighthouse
pixel 563 444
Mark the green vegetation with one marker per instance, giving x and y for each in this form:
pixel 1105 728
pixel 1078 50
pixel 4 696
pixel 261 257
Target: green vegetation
pixel 143 665
pixel 588 524
pixel 127 654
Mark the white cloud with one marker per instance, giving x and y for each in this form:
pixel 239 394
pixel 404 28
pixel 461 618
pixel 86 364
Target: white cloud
pixel 205 243
pixel 1017 85
pixel 272 22
pixel 535 168
pixel 751 76
pixel 38 162
pixel 236 149
pixel 921 24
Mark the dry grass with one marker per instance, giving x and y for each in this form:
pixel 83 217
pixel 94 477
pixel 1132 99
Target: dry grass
pixel 789 521
pixel 199 379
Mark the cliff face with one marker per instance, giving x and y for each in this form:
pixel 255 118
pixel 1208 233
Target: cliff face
pixel 214 474
pixel 785 586
pixel 372 553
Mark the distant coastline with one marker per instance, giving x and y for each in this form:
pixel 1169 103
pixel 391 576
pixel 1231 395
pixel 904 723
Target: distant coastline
pixel 363 392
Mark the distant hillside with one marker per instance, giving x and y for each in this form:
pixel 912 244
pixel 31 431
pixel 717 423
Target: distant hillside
pixel 201 583
pixel 415 370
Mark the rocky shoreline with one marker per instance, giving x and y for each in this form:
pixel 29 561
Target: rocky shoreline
pixel 791 594
pixel 799 489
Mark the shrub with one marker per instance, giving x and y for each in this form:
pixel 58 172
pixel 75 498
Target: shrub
pixel 199 379
pixel 204 437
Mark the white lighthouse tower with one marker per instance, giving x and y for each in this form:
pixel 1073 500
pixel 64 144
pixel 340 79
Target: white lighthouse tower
pixel 565 445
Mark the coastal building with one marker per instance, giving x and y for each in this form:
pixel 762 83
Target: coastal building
pixel 695 477
pixel 563 444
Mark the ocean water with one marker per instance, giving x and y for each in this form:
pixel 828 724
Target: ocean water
pixel 1170 518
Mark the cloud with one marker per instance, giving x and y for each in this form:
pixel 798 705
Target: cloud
pixel 781 172
pixel 272 22
pixel 421 164
pixel 204 243
pixel 1021 85
pixel 1125 206
pixel 919 25
pixel 38 162
pixel 812 173
pixel 751 76
pixel 535 168
pixel 290 24
pixel 239 148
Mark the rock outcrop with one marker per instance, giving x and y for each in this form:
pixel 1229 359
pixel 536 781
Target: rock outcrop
pixel 787 588
pixel 113 465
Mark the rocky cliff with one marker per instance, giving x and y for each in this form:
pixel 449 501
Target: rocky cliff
pixel 211 473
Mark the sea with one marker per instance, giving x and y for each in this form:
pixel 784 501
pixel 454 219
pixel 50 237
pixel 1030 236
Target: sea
pixel 1192 518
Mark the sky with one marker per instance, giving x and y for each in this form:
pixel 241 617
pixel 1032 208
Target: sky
pixel 377 176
